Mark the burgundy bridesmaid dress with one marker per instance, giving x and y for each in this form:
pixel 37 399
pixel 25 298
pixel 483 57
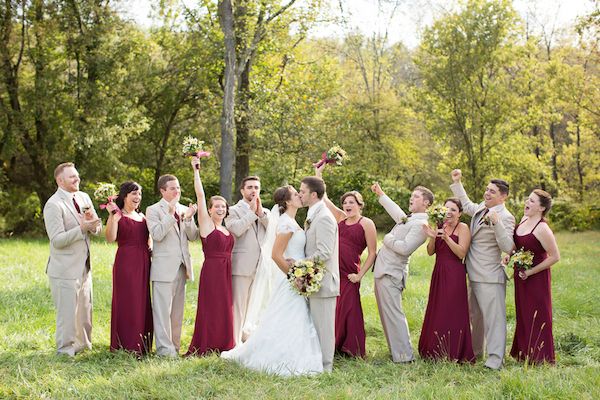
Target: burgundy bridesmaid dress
pixel 131 318
pixel 213 330
pixel 533 341
pixel 349 322
pixel 446 333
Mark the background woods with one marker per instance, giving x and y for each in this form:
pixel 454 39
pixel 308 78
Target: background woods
pixel 487 90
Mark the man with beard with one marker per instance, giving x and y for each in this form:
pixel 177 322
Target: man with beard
pixel 248 222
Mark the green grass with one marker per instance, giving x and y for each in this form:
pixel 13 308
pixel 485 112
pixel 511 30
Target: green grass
pixel 30 369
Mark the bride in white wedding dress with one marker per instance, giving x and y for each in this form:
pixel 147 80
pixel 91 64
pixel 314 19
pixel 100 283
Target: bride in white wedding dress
pixel 285 341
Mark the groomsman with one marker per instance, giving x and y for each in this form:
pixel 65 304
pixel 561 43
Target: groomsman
pixel 322 243
pixel 492 227
pixel 248 222
pixel 391 267
pixel 171 227
pixel 70 218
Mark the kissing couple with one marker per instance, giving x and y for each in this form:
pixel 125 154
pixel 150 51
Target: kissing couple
pixel 295 335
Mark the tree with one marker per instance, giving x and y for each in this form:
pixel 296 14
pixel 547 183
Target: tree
pixel 467 100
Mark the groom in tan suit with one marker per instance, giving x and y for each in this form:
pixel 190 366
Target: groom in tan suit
pixel 171 226
pixel 70 218
pixel 322 242
pixel 492 227
pixel 248 222
pixel 391 267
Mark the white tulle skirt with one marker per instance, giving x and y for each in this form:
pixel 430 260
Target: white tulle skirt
pixel 285 342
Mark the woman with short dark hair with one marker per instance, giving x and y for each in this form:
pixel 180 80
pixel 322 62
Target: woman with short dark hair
pixel 131 314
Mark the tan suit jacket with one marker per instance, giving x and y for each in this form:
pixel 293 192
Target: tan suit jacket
pixel 68 271
pixel 393 258
pixel 69 247
pixel 487 241
pixel 170 241
pixel 248 237
pixel 322 242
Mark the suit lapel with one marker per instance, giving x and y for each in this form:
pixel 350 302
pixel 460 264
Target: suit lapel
pixel 475 221
pixel 69 203
pixel 165 210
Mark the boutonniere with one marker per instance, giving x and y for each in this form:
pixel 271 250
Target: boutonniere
pixel 307 223
pixel 403 220
pixel 485 221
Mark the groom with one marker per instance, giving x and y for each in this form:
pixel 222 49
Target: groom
pixel 322 243
pixel 492 227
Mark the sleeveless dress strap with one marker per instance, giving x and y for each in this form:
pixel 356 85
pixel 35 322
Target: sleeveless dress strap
pixel 454 229
pixel 541 220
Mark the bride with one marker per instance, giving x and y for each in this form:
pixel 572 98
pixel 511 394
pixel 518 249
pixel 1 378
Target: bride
pixel 285 342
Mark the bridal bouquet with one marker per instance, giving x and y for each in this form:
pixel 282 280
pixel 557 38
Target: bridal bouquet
pixel 335 155
pixel 521 259
pixel 437 215
pixel 105 193
pixel 305 276
pixel 194 147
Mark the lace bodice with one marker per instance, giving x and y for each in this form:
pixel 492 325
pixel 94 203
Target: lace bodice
pixel 295 247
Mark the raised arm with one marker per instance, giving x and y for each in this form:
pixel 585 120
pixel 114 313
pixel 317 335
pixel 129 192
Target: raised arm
pixel 371 238
pixel 458 190
pixel 391 208
pixel 337 212
pixel 239 224
pixel 112 224
pixel 504 229
pixel 405 247
pixel 205 223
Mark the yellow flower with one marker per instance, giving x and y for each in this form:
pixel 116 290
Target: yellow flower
pixel 298 272
pixel 310 270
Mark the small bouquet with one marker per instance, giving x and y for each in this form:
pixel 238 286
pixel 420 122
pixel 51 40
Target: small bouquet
pixel 335 155
pixel 194 147
pixel 105 193
pixel 437 215
pixel 521 259
pixel 306 276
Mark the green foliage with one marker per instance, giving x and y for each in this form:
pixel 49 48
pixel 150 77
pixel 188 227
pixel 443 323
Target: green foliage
pixel 82 84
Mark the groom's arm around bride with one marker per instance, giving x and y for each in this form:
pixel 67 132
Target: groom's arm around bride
pixel 322 243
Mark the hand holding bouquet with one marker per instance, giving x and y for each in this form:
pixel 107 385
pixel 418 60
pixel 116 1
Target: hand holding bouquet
pixel 306 276
pixel 437 215
pixel 335 155
pixel 193 147
pixel 520 260
pixel 104 194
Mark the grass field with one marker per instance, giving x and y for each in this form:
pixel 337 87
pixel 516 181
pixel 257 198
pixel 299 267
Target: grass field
pixel 30 369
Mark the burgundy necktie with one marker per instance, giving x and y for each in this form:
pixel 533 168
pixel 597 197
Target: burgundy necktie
pixel 76 205
pixel 177 218
pixel 482 218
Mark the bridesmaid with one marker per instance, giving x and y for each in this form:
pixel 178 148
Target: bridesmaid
pixel 446 333
pixel 533 341
pixel 213 330
pixel 356 233
pixel 131 317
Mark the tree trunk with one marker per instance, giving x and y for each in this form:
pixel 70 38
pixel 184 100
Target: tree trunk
pixel 554 151
pixel 242 140
pixel 578 155
pixel 227 114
